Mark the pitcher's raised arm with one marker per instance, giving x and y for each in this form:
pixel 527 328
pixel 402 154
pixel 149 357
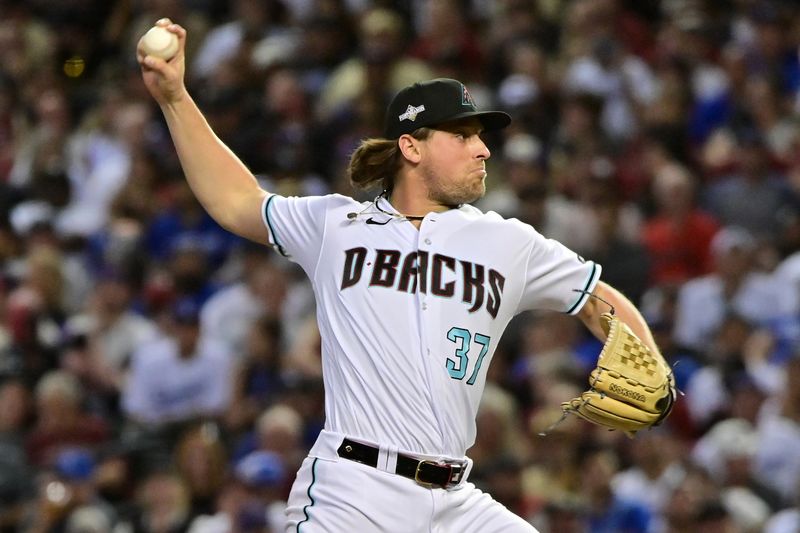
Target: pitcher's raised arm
pixel 221 182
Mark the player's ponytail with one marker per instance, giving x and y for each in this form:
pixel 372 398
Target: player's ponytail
pixel 376 161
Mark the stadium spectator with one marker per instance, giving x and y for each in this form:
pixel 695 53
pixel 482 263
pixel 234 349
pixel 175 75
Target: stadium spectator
pixel 260 291
pixel 177 379
pixel 654 473
pixel 162 504
pixel 777 460
pixel 69 496
pixel 258 376
pixel 251 500
pixel 201 460
pixel 678 236
pixel 733 287
pixel 753 193
pixel 381 68
pixel 606 511
pixel 61 420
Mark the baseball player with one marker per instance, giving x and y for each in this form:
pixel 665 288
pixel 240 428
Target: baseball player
pixel 413 290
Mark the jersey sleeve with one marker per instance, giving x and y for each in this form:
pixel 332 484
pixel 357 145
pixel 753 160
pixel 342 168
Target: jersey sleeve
pixel 296 226
pixel 557 278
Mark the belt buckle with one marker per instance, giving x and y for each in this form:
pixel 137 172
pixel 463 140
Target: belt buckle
pixel 416 473
pixel 440 465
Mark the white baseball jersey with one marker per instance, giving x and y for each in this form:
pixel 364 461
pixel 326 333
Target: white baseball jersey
pixel 409 318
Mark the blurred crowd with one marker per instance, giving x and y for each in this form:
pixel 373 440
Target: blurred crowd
pixel 159 375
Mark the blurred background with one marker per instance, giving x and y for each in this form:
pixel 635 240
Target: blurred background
pixel 159 375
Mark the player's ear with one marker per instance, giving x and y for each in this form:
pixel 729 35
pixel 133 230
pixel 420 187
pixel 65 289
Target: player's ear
pixel 409 147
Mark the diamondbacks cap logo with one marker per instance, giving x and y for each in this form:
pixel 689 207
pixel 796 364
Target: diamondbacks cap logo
pixel 466 98
pixel 411 113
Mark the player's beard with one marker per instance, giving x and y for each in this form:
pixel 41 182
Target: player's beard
pixel 452 194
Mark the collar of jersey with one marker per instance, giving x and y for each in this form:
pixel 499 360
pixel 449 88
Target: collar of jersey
pixel 384 196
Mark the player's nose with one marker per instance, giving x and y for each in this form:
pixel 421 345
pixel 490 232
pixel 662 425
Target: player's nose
pixel 482 151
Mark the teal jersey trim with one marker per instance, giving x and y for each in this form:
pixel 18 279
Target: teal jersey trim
pixel 272 228
pixel 310 497
pixel 582 298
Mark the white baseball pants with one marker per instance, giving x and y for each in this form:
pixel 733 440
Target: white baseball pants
pixel 335 495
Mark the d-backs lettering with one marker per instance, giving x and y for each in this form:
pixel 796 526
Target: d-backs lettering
pixel 390 269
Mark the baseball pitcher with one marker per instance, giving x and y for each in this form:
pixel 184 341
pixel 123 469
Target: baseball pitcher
pixel 413 291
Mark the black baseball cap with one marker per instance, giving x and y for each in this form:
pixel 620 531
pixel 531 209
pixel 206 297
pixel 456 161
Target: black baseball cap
pixel 432 102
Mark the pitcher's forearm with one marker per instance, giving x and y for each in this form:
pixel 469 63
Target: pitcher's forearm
pixel 629 314
pixel 625 310
pixel 219 179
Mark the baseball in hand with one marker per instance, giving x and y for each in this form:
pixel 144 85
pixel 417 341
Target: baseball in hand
pixel 160 42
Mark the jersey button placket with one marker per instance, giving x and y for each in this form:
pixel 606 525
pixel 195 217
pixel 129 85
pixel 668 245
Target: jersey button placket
pixel 423 304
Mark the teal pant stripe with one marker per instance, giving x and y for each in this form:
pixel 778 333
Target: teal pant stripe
pixel 310 497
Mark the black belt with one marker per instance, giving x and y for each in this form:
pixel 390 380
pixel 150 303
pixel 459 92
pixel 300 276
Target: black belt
pixel 428 473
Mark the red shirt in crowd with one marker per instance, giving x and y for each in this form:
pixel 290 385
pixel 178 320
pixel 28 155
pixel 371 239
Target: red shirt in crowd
pixel 680 250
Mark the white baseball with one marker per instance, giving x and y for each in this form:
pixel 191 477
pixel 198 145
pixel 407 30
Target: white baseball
pixel 160 42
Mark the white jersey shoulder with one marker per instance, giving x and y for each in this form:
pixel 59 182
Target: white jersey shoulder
pixel 554 277
pixel 296 224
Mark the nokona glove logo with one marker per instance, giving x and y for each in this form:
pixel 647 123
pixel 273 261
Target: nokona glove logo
pixel 622 391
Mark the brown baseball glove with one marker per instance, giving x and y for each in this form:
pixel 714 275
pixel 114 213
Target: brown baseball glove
pixel 632 387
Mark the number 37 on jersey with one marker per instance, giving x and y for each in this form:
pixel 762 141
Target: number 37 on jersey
pixel 470 349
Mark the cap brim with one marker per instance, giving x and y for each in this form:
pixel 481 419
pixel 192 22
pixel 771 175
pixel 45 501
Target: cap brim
pixel 491 120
